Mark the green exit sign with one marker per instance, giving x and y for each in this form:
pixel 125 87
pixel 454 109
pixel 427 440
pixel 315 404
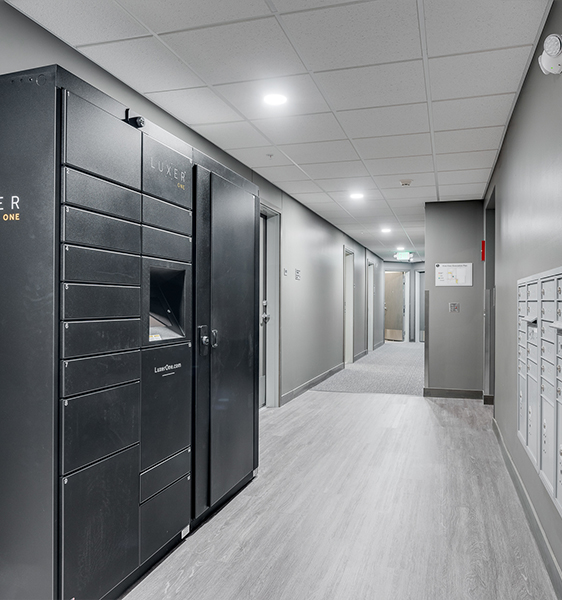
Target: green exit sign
pixel 402 256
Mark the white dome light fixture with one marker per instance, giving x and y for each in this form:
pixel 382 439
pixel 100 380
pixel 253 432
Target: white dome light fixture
pixel 550 60
pixel 356 196
pixel 275 99
pixel 386 230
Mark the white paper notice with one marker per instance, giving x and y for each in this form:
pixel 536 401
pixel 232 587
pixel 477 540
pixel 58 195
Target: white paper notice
pixel 453 274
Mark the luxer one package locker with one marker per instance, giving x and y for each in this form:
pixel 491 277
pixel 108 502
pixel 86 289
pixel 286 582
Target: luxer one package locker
pixel 111 448
pixel 539 376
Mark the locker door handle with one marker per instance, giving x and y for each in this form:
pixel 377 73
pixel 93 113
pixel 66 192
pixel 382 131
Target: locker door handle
pixel 214 338
pixel 203 340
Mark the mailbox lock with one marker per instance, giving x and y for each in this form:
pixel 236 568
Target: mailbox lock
pixel 542 387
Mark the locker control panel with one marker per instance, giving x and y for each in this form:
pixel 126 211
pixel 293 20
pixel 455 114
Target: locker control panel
pixel 539 376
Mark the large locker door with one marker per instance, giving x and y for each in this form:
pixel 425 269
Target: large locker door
pixel 232 333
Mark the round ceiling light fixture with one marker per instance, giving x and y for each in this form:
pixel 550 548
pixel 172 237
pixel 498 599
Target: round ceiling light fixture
pixel 356 196
pixel 386 230
pixel 275 99
pixel 400 248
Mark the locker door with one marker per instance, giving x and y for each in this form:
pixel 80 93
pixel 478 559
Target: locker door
pixel 233 335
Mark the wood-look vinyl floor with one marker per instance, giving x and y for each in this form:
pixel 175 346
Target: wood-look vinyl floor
pixel 365 496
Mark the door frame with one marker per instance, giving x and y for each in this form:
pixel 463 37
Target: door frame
pixel 417 303
pixel 370 305
pixel 348 304
pixel 273 293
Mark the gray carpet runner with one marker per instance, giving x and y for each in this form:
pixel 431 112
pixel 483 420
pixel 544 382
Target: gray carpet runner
pixel 394 368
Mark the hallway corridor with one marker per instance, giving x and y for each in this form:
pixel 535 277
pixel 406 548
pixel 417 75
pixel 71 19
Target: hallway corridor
pixel 370 497
pixel 394 368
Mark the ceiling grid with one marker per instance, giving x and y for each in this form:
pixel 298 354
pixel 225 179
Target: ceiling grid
pixel 378 92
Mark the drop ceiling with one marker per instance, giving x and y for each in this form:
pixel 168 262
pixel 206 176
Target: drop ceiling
pixel 378 91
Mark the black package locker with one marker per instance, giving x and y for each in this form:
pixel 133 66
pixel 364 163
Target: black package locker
pixel 227 216
pixel 99 437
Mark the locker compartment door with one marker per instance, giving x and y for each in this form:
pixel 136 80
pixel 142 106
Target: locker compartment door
pixel 100 525
pixel 232 334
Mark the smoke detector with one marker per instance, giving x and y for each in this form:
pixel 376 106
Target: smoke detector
pixel 406 182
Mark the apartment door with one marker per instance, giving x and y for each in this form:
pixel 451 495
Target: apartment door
pixel 394 306
pixel 370 306
pixel 348 299
pixel 263 308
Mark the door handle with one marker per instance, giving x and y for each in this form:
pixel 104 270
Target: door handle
pixel 265 318
pixel 214 338
pixel 203 340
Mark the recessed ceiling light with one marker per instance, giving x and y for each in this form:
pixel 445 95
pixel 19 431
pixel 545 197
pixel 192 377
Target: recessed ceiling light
pixel 400 248
pixel 275 99
pixel 356 196
pixel 386 230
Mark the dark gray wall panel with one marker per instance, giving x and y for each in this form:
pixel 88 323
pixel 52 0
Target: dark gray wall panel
pixel 28 362
pixel 99 143
pixel 91 192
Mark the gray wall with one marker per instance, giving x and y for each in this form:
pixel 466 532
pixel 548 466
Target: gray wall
pixel 454 234
pixel 312 308
pixel 528 199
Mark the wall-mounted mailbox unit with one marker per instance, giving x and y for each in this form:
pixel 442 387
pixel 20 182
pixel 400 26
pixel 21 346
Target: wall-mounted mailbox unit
pixel 539 376
pixel 104 451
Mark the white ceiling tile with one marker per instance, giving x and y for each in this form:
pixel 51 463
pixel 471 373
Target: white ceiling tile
pixel 266 156
pixel 318 152
pixel 466 140
pixel 328 211
pixel 457 26
pixel 299 187
pixel 302 95
pixel 479 74
pixel 458 197
pixel 313 198
pixel 346 184
pixel 293 5
pixel 82 21
pixel 365 206
pixel 195 106
pixel 466 160
pixel 388 120
pixel 394 146
pixel 472 112
pixel 308 128
pixel 329 170
pixel 413 204
pixel 400 166
pixel 361 87
pixel 287 173
pixel 145 64
pixel 476 190
pixel 357 34
pixel 232 135
pixel 174 15
pixel 466 176
pixel 393 181
pixel 237 51
pixel 417 193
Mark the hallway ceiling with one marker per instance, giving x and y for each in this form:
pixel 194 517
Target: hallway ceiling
pixel 378 91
